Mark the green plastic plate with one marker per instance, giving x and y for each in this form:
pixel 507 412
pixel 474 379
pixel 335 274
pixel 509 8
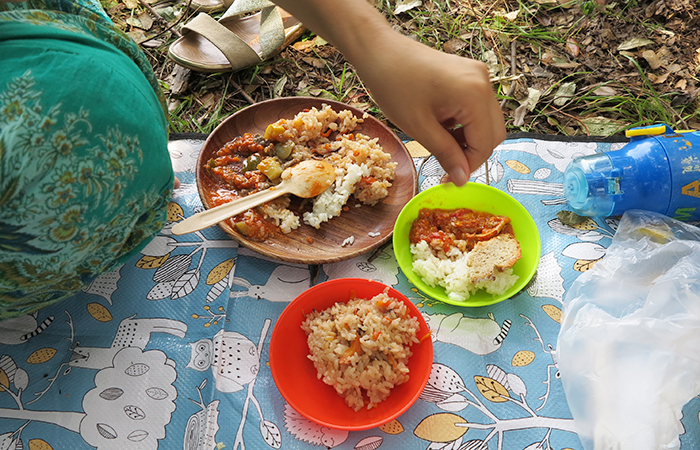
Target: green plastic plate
pixel 478 197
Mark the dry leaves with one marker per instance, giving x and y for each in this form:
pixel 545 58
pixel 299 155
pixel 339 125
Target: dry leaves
pixel 606 50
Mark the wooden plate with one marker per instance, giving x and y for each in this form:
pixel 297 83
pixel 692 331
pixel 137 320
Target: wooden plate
pixel 308 245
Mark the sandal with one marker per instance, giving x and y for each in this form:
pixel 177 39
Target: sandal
pixel 209 6
pixel 235 42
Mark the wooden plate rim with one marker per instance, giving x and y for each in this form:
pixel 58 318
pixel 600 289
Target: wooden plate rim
pixel 301 255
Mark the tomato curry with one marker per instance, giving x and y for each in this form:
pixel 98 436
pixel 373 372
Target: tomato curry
pixel 245 165
pixel 463 228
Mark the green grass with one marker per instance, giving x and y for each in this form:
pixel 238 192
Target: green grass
pixel 640 107
pixel 191 116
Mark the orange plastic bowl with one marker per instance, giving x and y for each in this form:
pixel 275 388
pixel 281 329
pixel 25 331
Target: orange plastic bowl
pixel 295 375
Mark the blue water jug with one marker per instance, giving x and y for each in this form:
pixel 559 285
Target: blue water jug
pixel 658 170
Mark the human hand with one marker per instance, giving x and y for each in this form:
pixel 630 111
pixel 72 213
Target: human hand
pixel 426 93
pixel 423 91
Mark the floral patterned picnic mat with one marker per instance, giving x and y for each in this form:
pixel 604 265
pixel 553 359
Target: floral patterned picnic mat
pixel 131 362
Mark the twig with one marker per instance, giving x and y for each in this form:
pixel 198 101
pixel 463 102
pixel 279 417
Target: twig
pixel 522 403
pixel 72 329
pixel 16 397
pixel 161 19
pixel 581 122
pixel 511 89
pixel 550 351
pixel 245 95
pixel 523 423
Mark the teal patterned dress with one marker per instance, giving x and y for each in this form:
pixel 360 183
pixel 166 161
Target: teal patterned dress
pixel 85 175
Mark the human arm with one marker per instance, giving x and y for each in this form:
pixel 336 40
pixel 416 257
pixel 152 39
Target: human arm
pixel 421 90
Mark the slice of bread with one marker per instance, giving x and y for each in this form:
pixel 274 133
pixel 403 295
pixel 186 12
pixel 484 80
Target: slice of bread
pixel 495 255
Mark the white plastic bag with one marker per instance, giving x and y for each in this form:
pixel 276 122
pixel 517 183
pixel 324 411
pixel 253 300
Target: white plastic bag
pixel 629 345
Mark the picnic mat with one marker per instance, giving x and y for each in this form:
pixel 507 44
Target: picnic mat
pixel 130 363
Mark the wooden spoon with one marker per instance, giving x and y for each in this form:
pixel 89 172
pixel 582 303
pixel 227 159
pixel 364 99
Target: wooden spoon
pixel 306 179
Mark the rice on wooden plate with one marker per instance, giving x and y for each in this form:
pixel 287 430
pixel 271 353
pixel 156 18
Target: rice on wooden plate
pixel 362 168
pixel 362 347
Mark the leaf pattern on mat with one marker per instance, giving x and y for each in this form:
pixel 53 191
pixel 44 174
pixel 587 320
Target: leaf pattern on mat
pixel 491 389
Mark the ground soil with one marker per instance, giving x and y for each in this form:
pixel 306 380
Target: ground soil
pixel 645 52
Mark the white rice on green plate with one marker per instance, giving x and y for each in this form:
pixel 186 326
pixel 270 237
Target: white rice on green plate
pixel 451 271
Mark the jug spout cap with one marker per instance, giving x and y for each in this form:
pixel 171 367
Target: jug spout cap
pixel 651 130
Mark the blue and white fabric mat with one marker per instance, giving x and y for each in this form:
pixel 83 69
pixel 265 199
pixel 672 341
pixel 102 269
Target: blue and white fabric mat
pixel 133 361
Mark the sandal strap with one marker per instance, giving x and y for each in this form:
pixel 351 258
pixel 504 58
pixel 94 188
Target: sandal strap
pixel 237 51
pixel 209 7
pixel 247 6
pixel 239 7
pixel 271 25
pixel 271 31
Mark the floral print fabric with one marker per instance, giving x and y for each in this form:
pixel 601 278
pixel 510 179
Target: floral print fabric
pixel 85 175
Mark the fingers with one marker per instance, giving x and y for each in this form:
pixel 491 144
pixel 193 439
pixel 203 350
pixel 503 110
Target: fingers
pixel 426 92
pixel 446 148
pixel 470 101
pixel 482 136
pixel 483 126
pixel 458 135
pixel 462 150
pixel 474 141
